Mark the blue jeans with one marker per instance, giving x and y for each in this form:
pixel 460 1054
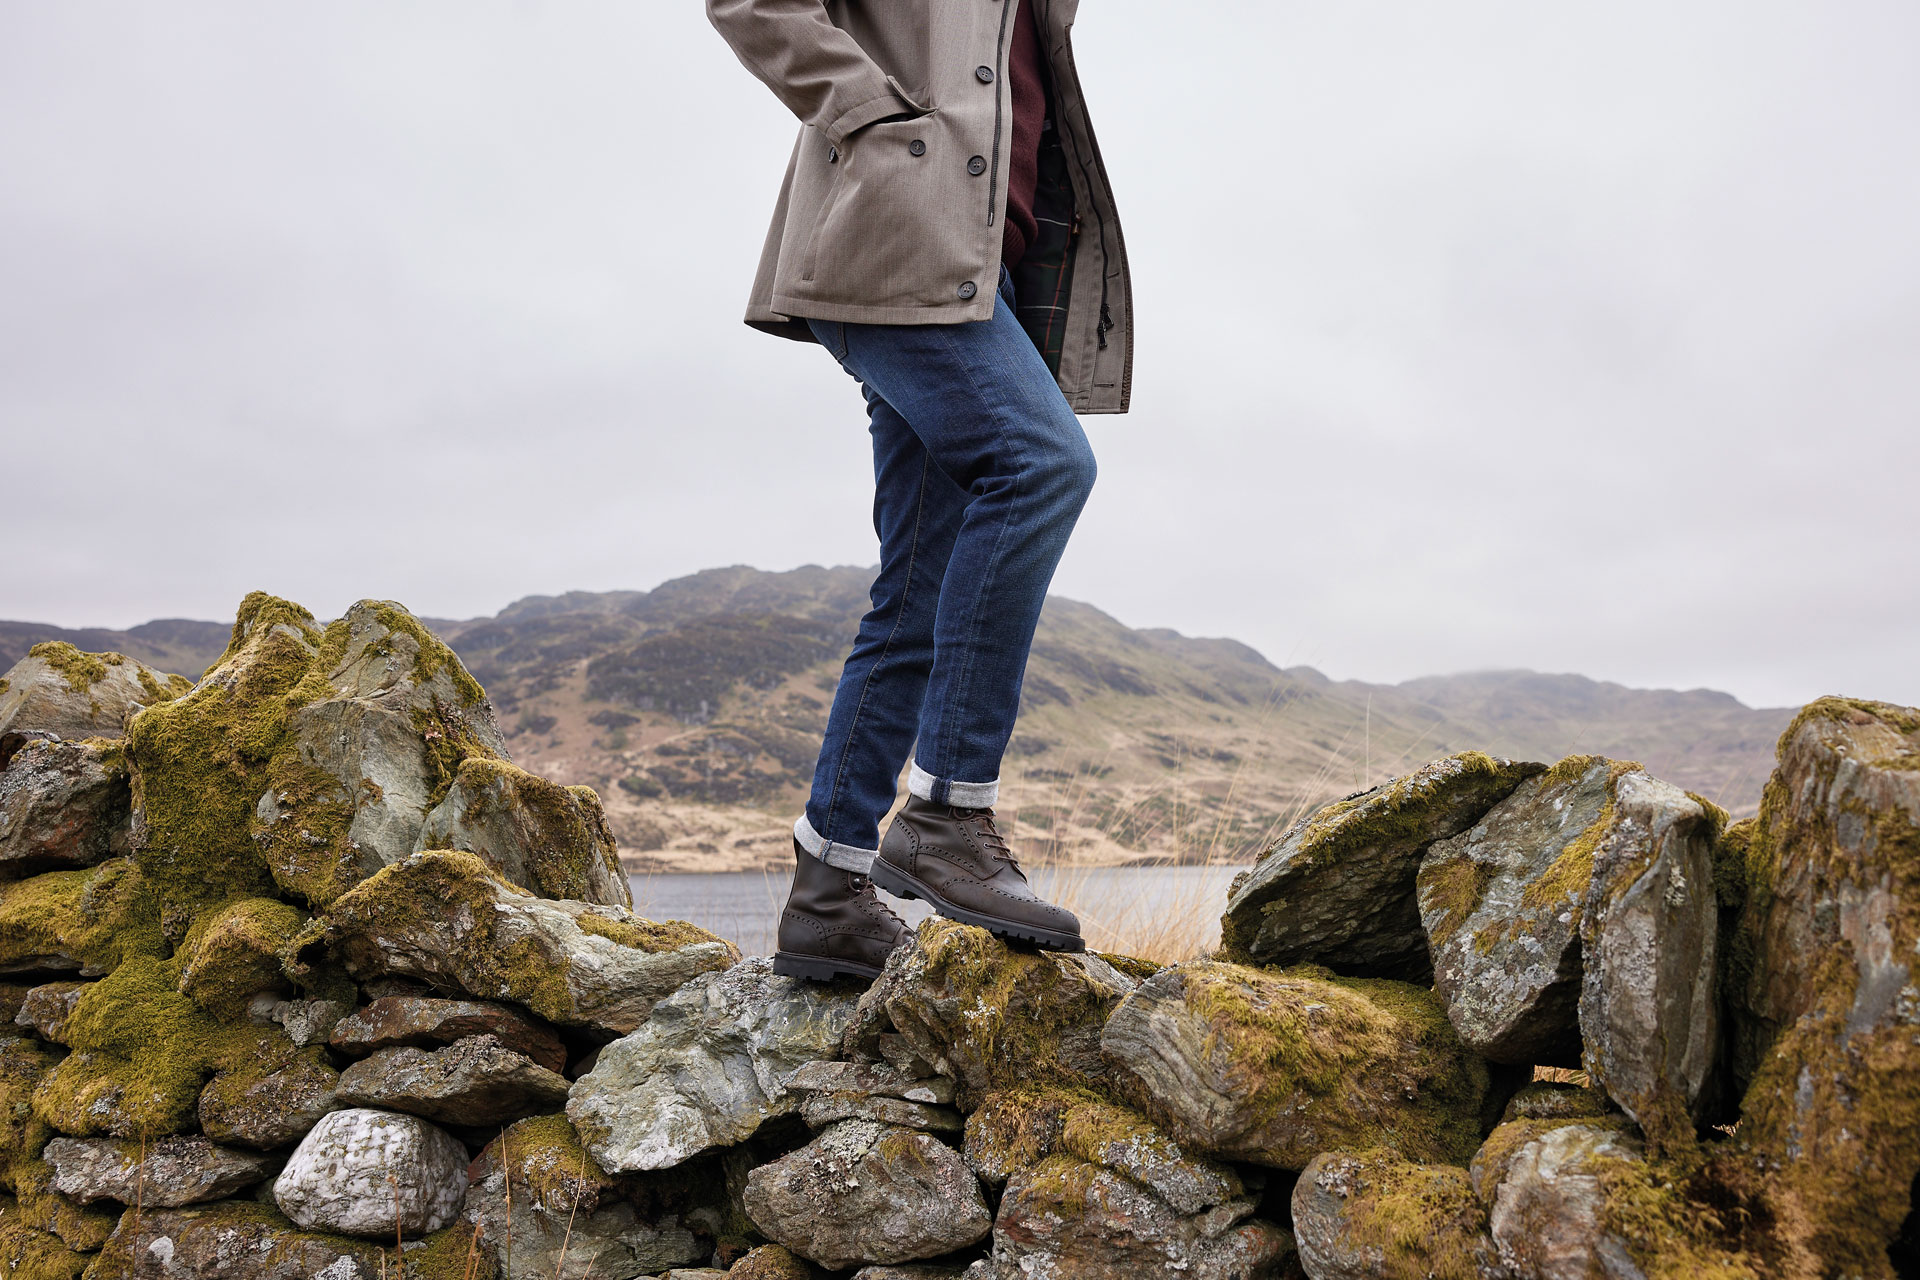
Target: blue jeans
pixel 980 471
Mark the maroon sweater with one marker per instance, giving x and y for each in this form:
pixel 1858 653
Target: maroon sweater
pixel 1027 65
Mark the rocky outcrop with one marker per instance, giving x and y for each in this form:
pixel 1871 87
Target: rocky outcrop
pixel 1648 932
pixel 61 692
pixel 63 805
pixel 1373 1216
pixel 864 1192
pixel 537 833
pixel 421 1022
pixel 475 1081
pixel 1337 888
pixel 1274 1068
pixel 167 1174
pixel 707 1068
pixel 447 919
pixel 373 1173
pixel 1826 980
pixel 1070 1219
pixel 1501 904
pixel 542 1207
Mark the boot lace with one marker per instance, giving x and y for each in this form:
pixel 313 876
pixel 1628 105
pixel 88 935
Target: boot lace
pixel 870 896
pixel 990 837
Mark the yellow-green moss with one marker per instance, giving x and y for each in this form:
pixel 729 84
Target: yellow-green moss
pixel 1133 966
pixel 235 952
pixel 548 1164
pixel 27 1253
pixel 99 916
pixel 5 684
pixel 1566 879
pixel 570 838
pixel 1308 1032
pixel 81 1228
pixel 773 1262
pixel 453 1254
pixel 81 670
pixel 1674 1235
pixel 24 1064
pixel 1451 889
pixel 1397 810
pixel 309 849
pixel 156 692
pixel 1419 1219
pixel 434 655
pixel 142 1052
pixel 644 935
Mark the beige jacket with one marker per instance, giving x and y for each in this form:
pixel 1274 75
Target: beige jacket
pixel 892 205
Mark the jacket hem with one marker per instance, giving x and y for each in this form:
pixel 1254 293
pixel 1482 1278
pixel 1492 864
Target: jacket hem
pixel 790 308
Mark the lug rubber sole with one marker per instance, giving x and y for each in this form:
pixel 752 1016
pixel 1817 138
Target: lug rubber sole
pixel 901 885
pixel 821 968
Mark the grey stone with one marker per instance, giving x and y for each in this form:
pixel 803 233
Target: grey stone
pixel 1501 905
pixel 165 1174
pixel 309 1022
pixel 707 1068
pixel 1338 887
pixel 230 1241
pixel 552 839
pixel 1649 1005
pixel 422 1022
pixel 47 1007
pixel 822 1109
pixel 369 1173
pixel 57 690
pixel 862 1077
pixel 1350 1220
pixel 474 1081
pixel 270 1107
pixel 862 1192
pixel 63 805
pixel 568 1223
pixel 1364 1065
pixel 1548 1218
pixel 1068 1219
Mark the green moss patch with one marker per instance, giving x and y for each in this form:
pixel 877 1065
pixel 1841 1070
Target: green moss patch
pixel 98 916
pixel 234 952
pixel 644 935
pixel 1417 1219
pixel 81 670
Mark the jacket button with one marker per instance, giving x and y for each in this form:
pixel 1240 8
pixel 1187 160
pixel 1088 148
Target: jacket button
pixel 917 147
pixel 967 290
pixel 833 155
pixel 977 166
pixel 985 74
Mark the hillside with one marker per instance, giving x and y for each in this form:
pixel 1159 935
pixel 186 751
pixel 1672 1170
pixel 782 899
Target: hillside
pixel 695 709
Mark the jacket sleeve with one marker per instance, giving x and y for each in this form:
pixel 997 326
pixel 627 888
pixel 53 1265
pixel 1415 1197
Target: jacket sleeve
pixel 819 71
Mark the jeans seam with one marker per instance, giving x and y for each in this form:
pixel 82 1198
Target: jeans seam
pixel 948 750
pixel 906 601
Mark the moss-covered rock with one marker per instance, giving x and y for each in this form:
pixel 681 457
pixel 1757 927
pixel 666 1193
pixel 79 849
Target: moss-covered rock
pixel 270 1099
pixel 991 1016
pixel 1372 1215
pixel 233 954
pixel 450 920
pixel 24 1064
pixel 1272 1068
pixel 542 1207
pixel 142 1053
pixel 1824 980
pixel 1018 1128
pixel 63 805
pixel 84 921
pixel 1501 905
pixel 80 1228
pixel 536 833
pixel 1649 935
pixel 28 1253
pixel 774 1262
pixel 306 759
pixel 1338 887
pixel 60 690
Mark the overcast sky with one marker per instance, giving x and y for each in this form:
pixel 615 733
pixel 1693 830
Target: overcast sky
pixel 1582 337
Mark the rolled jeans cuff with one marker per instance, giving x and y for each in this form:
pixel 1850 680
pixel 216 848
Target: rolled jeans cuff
pixel 844 856
pixel 963 795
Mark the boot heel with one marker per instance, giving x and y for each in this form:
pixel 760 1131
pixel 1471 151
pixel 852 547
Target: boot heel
pixel 885 877
pixel 788 965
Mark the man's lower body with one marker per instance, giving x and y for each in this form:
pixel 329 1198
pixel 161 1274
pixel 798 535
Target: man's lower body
pixel 980 472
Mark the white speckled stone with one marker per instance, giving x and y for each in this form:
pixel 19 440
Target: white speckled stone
pixel 360 1168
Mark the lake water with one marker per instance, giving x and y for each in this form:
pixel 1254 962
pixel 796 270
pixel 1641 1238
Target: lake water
pixel 1147 909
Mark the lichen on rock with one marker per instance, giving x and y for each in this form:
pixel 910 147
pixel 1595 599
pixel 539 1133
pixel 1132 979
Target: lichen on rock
pixel 1337 888
pixel 536 833
pixel 1372 1215
pixel 1272 1068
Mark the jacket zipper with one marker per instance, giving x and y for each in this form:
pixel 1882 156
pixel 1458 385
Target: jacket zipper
pixel 1086 176
pixel 1000 92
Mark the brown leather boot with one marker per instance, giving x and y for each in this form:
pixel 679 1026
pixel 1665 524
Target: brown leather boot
pixel 834 924
pixel 956 860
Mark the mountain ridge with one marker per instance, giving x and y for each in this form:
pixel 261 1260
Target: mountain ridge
pixel 696 708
